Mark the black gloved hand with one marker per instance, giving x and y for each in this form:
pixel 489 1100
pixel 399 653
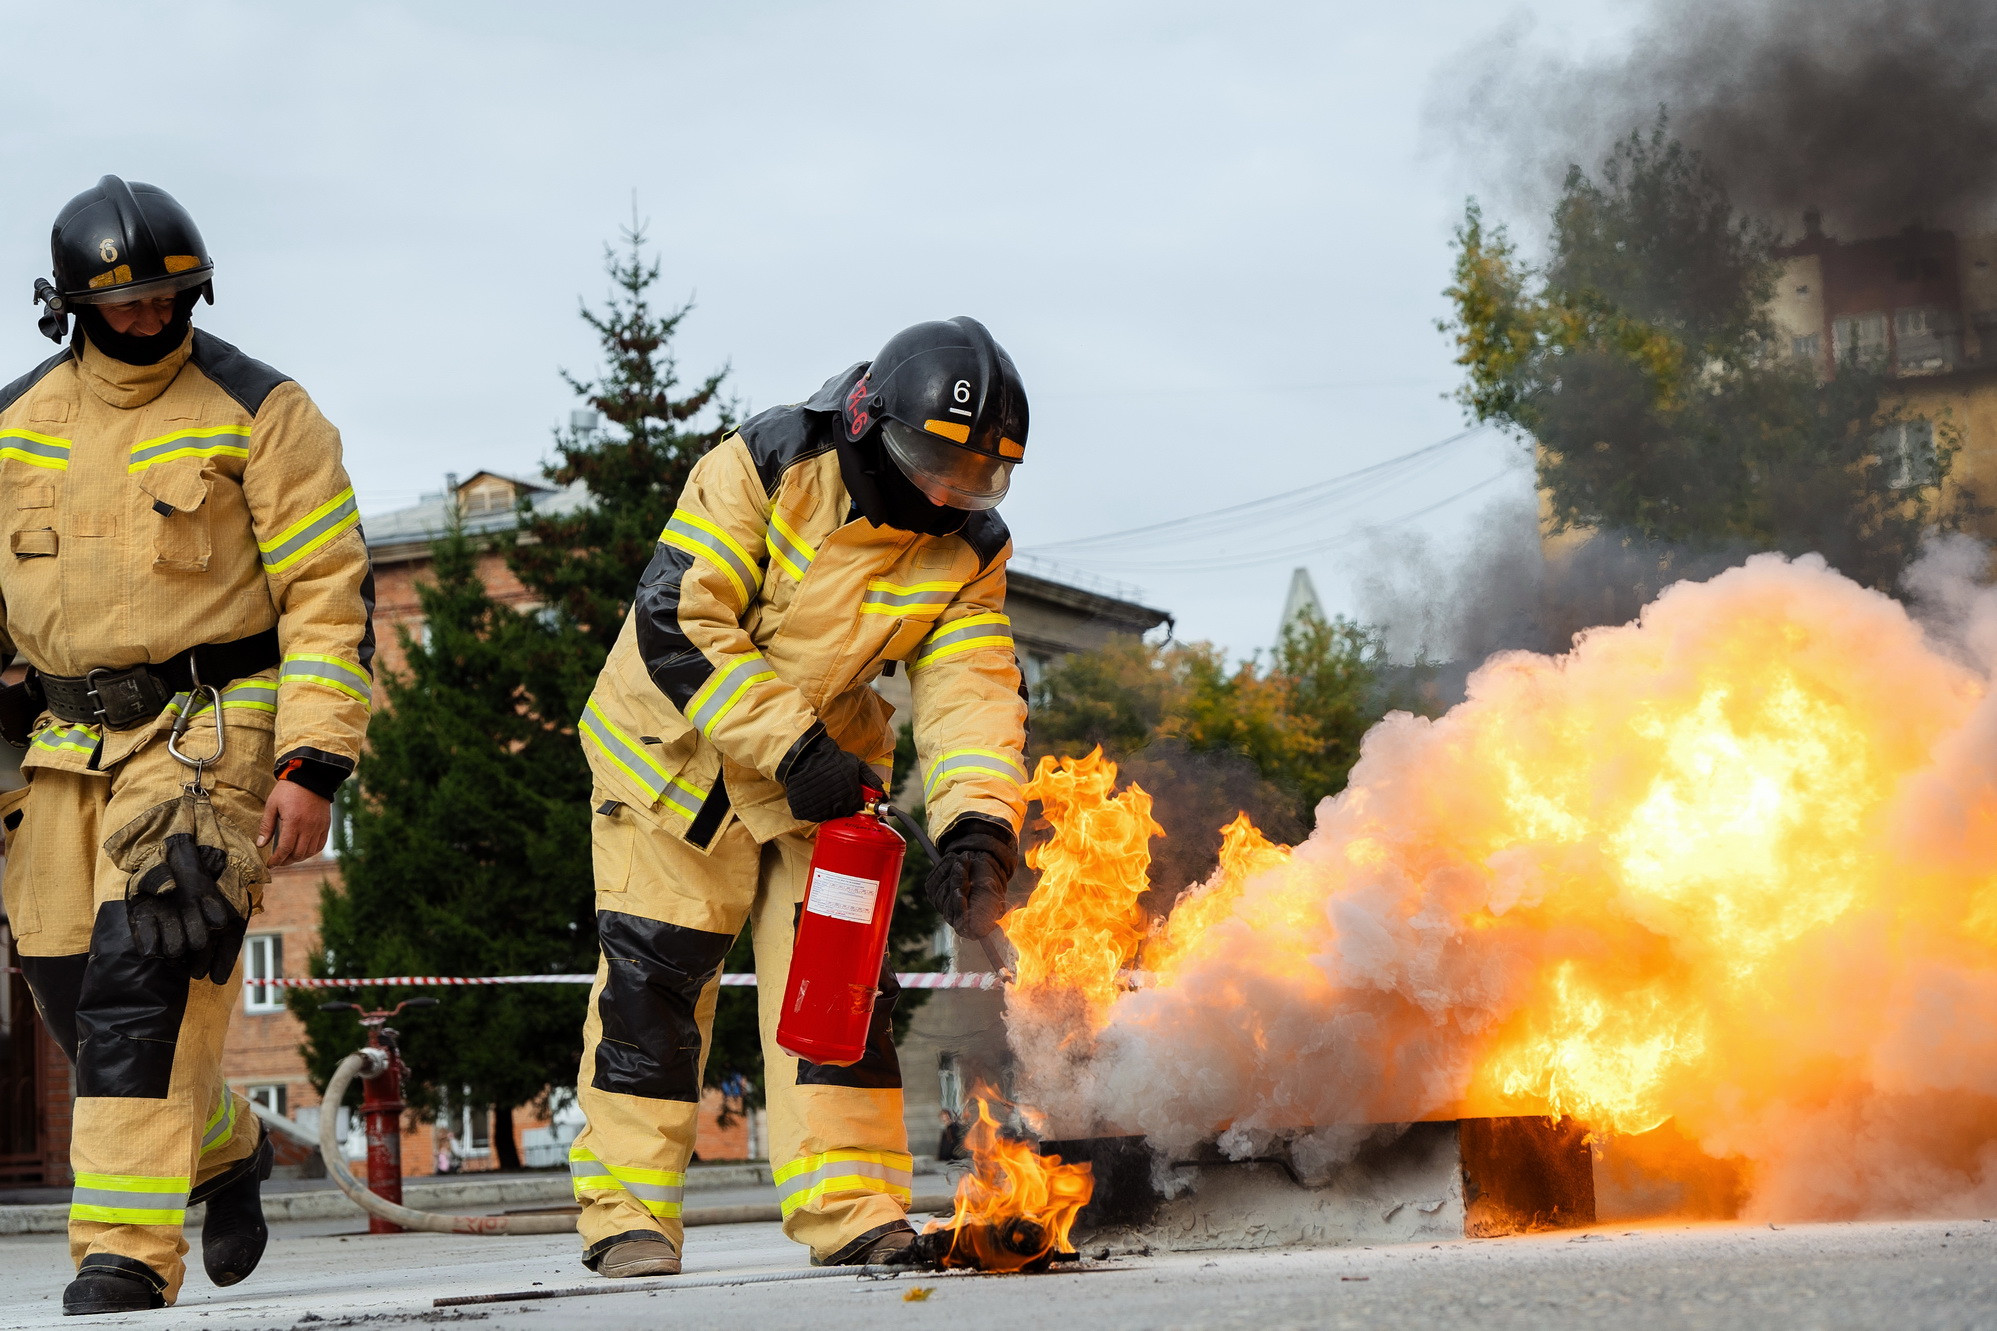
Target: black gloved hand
pixel 967 888
pixel 825 782
pixel 178 914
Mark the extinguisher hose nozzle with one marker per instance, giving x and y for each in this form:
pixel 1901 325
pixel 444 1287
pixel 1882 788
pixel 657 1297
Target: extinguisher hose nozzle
pixel 998 949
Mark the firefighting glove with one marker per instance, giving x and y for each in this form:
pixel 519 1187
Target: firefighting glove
pixel 825 782
pixel 967 886
pixel 178 914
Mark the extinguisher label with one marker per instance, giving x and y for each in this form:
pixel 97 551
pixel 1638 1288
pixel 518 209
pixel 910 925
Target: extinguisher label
pixel 842 896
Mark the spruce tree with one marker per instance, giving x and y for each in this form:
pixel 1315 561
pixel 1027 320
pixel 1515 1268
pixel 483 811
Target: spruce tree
pixel 457 858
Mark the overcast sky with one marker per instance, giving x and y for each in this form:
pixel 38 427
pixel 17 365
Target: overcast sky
pixel 1212 236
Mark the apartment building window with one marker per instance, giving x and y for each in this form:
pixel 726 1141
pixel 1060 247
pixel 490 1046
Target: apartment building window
pixel 1808 347
pixel 1907 452
pixel 263 959
pixel 1924 338
pixel 1860 338
pixel 270 1096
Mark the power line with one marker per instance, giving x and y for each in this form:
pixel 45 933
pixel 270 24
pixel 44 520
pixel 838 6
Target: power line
pixel 1291 503
pixel 1225 562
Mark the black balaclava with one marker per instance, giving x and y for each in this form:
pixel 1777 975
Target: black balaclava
pixel 881 492
pixel 138 350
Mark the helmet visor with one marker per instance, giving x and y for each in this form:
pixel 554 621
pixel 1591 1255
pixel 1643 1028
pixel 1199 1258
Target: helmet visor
pixel 172 284
pixel 947 474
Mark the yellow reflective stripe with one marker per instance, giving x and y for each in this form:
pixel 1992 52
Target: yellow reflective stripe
pixel 658 1190
pixel 791 552
pixel 37 450
pixel 631 758
pixel 809 1178
pixel 168 447
pixel 258 695
pixel 331 671
pixel 887 598
pixel 724 688
pixel 983 760
pixel 310 532
pixel 697 536
pixel 687 799
pixel 129 1199
pixel 75 739
pixel 963 635
pixel 221 1124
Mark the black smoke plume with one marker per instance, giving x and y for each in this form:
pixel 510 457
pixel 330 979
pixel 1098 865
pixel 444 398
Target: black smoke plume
pixel 1880 112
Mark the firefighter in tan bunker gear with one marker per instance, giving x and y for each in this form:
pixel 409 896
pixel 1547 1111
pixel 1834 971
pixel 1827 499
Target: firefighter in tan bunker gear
pixel 815 548
pixel 182 550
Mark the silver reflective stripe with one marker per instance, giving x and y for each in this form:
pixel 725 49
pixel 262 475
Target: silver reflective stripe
pixel 136 1201
pixel 805 1182
pixel 39 450
pixel 258 695
pixel 688 534
pixel 963 760
pixel 229 441
pixel 78 739
pixel 221 1124
pixel 885 594
pixel 795 556
pixel 591 1171
pixel 313 532
pixel 633 761
pixel 722 690
pixel 668 1193
pixel 337 674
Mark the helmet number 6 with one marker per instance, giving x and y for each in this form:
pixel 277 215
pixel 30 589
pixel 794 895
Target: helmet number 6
pixel 107 250
pixel 962 392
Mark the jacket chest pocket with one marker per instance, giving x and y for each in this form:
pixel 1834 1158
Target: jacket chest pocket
pixel 31 527
pixel 178 499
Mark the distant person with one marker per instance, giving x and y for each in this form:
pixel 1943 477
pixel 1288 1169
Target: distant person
pixel 816 548
pixel 950 1137
pixel 447 1153
pixel 183 553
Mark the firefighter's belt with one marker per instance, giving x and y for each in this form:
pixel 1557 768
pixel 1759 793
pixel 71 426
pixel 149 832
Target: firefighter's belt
pixel 121 699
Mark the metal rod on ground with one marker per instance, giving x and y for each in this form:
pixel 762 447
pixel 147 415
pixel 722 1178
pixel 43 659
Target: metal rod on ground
pixel 683 1282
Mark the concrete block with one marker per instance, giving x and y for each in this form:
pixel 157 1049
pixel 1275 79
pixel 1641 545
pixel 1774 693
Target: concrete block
pixel 1429 1182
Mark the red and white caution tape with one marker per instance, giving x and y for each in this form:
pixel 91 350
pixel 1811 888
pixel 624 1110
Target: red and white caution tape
pixel 909 980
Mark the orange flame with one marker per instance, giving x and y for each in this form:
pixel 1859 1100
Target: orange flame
pixel 1016 1207
pixel 1084 922
pixel 1728 866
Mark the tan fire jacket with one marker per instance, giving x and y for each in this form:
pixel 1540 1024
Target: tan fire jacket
pixel 768 609
pixel 153 508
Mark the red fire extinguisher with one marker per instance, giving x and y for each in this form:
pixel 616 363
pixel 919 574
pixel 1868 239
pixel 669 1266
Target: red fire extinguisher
pixel 842 937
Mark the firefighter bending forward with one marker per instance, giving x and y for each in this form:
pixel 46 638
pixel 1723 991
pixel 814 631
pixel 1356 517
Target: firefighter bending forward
pixel 816 548
pixel 181 545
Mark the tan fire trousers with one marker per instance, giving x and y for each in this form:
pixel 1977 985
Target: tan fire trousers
pixel 667 913
pixel 155 1125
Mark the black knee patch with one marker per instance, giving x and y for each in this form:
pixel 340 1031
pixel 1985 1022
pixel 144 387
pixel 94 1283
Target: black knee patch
pixel 128 1015
pixel 879 1069
pixel 57 984
pixel 651 1042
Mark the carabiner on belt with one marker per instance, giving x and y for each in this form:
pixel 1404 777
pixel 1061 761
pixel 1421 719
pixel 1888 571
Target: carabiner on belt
pixel 186 717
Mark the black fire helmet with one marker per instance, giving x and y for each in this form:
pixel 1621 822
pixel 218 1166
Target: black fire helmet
pixel 951 409
pixel 117 242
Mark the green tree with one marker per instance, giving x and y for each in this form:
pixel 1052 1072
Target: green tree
pixel 456 859
pixel 1643 364
pixel 1296 718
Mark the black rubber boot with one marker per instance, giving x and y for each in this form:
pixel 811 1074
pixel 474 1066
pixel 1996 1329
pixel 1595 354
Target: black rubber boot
pixel 892 1244
pixel 234 1234
pixel 108 1284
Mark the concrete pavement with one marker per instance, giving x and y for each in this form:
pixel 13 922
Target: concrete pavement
pixel 1929 1274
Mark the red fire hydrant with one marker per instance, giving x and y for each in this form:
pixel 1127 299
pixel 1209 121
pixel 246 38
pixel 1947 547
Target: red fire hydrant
pixel 381 1103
